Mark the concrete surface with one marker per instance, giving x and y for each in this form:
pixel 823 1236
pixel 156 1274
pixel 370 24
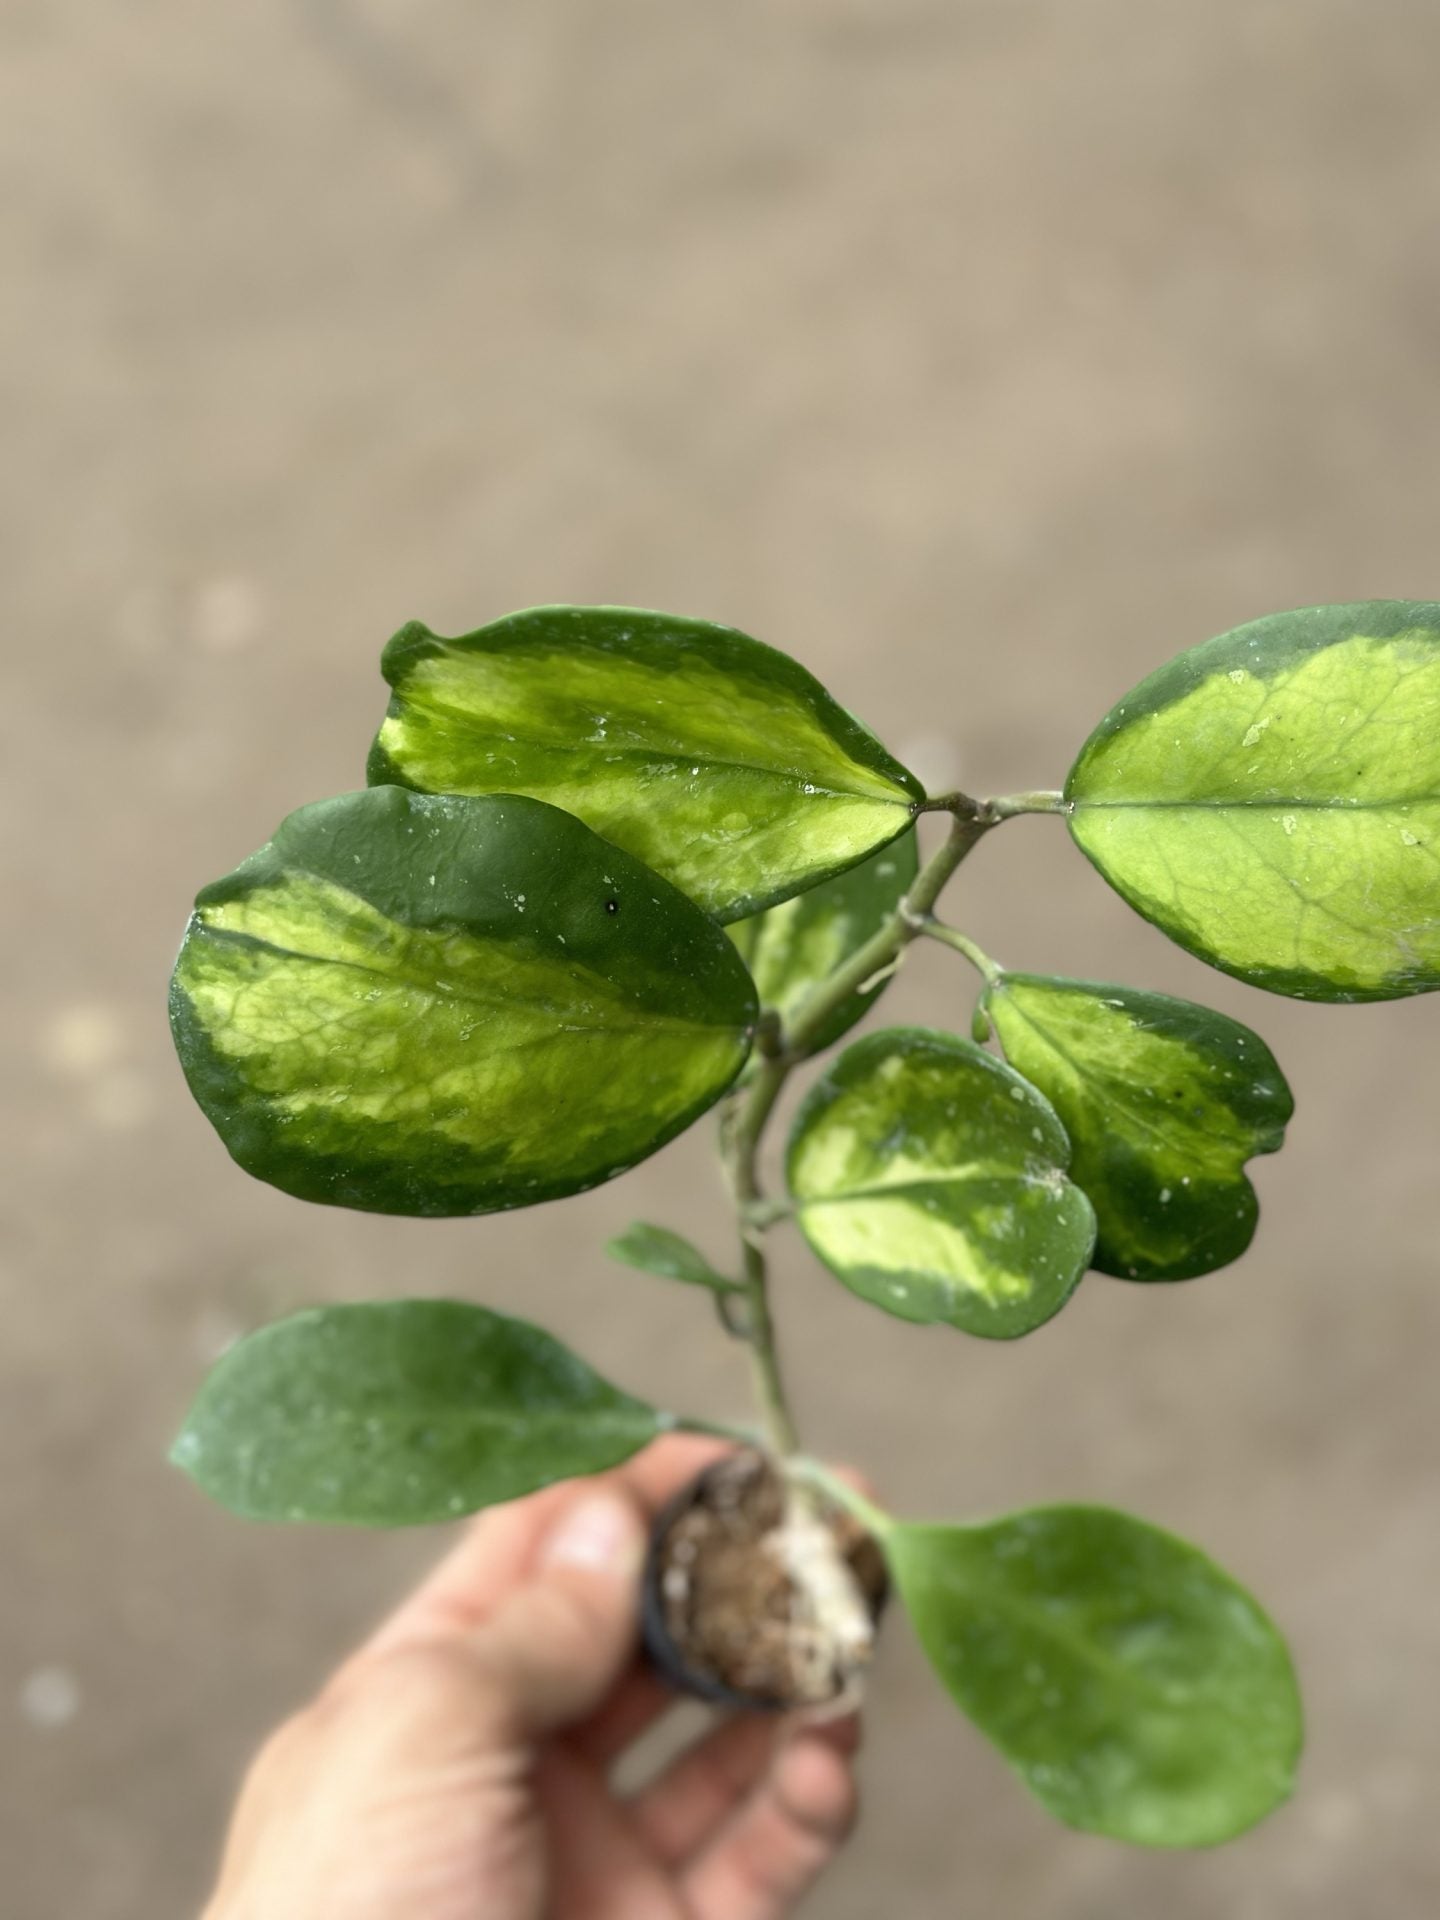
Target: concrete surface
pixel 983 353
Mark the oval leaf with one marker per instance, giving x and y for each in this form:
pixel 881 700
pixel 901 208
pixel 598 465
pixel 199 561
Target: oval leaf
pixel 930 1178
pixel 396 1414
pixel 1137 1689
pixel 433 1005
pixel 1164 1102
pixel 794 946
pixel 669 1255
pixel 1271 800
pixel 719 762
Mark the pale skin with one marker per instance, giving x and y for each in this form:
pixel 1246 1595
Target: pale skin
pixel 458 1767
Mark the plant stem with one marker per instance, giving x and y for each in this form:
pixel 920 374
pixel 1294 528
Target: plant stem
pixel 1005 807
pixel 716 1429
pixel 962 943
pixel 1047 800
pixel 814 1473
pixel 884 947
pixel 743 1165
pixel 743 1126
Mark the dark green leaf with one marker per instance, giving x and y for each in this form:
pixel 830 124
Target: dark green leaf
pixel 1136 1688
pixel 1164 1102
pixel 657 1250
pixel 400 1413
pixel 721 763
pixel 434 1005
pixel 1271 800
pixel 794 946
pixel 930 1178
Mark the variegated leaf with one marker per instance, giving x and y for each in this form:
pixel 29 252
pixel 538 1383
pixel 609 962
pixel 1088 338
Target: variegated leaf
pixel 1271 800
pixel 423 1004
pixel 930 1178
pixel 1163 1101
pixel 719 762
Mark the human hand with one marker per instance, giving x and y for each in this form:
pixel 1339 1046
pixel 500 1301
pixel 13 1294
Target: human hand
pixel 457 1767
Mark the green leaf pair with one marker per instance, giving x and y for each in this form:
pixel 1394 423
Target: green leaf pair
pixel 1138 1690
pixel 944 1185
pixel 455 1001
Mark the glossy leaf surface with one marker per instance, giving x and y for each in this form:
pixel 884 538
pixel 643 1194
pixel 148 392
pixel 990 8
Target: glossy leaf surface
pixel 930 1178
pixel 716 760
pixel 400 1413
pixel 793 947
pixel 1163 1101
pixel 669 1255
pixel 1271 800
pixel 1136 1688
pixel 433 1005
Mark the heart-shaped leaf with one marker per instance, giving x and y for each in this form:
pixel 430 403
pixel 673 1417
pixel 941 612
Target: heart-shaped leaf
pixel 930 1178
pixel 1271 800
pixel 719 762
pixel 669 1255
pixel 395 1414
pixel 1137 1689
pixel 793 947
pixel 1163 1101
pixel 417 1004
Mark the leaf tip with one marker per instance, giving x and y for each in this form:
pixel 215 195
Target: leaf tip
pixel 186 1450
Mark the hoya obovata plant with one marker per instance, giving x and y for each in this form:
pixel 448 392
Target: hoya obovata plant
pixel 615 868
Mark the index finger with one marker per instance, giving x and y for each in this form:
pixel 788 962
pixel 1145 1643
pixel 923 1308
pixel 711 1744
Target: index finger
pixel 497 1551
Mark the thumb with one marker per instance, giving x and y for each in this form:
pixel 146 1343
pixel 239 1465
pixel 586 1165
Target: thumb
pixel 561 1641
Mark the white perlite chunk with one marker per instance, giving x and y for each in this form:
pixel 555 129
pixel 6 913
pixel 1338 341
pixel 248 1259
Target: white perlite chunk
pixel 831 1632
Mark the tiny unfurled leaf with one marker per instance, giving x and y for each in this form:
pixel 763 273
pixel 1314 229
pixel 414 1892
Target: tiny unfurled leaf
pixel 930 1178
pixel 424 1004
pixel 1163 1101
pixel 1137 1689
pixel 716 760
pixel 1271 800
pixel 793 947
pixel 400 1413
pixel 657 1250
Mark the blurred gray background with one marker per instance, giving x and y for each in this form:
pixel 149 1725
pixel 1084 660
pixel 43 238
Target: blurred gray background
pixel 983 353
